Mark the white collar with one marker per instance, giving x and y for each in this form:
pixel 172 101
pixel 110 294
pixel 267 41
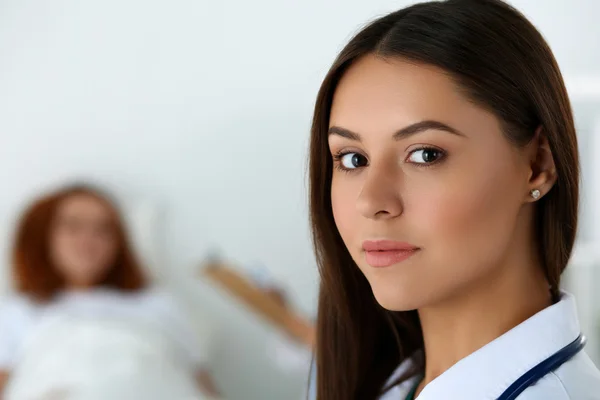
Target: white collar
pixel 402 390
pixel 489 371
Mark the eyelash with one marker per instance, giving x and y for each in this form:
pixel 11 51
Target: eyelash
pixel 337 157
pixel 337 161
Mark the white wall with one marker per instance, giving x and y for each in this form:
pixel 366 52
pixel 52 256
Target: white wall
pixel 203 106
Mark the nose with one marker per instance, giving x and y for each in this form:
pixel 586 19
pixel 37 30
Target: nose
pixel 380 196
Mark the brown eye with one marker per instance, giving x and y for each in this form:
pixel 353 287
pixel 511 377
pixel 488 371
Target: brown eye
pixel 425 156
pixel 353 161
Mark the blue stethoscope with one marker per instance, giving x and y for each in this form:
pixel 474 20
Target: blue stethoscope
pixel 547 366
pixel 544 368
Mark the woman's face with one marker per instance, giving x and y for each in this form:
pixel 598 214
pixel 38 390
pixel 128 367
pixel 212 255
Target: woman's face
pixel 83 241
pixel 427 193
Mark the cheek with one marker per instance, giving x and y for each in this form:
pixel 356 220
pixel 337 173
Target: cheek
pixel 61 244
pixel 62 253
pixel 457 208
pixel 343 204
pixel 107 248
pixel 468 224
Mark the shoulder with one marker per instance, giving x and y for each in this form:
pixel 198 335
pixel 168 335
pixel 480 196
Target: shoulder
pixel 160 304
pixel 17 317
pixel 16 307
pixel 148 299
pixel 578 379
pixel 157 299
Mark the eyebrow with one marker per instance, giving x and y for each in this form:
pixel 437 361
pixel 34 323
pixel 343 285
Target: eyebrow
pixel 403 133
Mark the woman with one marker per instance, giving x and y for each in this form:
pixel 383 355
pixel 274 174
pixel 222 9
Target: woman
pixel 72 256
pixel 444 188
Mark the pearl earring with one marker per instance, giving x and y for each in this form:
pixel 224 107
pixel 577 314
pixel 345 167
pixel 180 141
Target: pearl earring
pixel 535 193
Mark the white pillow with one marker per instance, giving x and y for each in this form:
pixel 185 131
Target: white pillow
pixel 144 222
pixel 6 239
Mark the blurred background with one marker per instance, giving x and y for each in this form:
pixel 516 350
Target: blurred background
pixel 196 114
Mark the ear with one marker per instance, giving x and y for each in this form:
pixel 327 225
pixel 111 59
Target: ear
pixel 542 168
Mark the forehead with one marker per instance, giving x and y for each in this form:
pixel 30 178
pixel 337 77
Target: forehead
pixel 83 205
pixel 378 94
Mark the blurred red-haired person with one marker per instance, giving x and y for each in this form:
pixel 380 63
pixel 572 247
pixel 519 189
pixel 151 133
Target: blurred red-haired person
pixel 72 254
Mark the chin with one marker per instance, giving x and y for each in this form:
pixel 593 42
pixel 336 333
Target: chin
pixel 394 296
pixel 395 299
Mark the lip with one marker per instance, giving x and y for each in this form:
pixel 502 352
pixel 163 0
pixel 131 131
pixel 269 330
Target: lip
pixel 385 253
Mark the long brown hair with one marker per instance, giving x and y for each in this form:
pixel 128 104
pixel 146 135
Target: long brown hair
pixel 32 269
pixel 503 64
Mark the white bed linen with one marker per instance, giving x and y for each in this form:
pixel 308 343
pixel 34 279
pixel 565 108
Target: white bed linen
pixel 98 359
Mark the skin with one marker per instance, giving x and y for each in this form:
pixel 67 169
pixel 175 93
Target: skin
pixel 207 383
pixel 83 245
pixel 3 380
pixel 461 197
pixel 83 242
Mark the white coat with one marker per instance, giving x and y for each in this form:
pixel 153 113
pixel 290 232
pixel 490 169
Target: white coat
pixel 488 372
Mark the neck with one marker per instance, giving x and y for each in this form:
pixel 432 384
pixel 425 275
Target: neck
pixel 79 287
pixel 479 315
